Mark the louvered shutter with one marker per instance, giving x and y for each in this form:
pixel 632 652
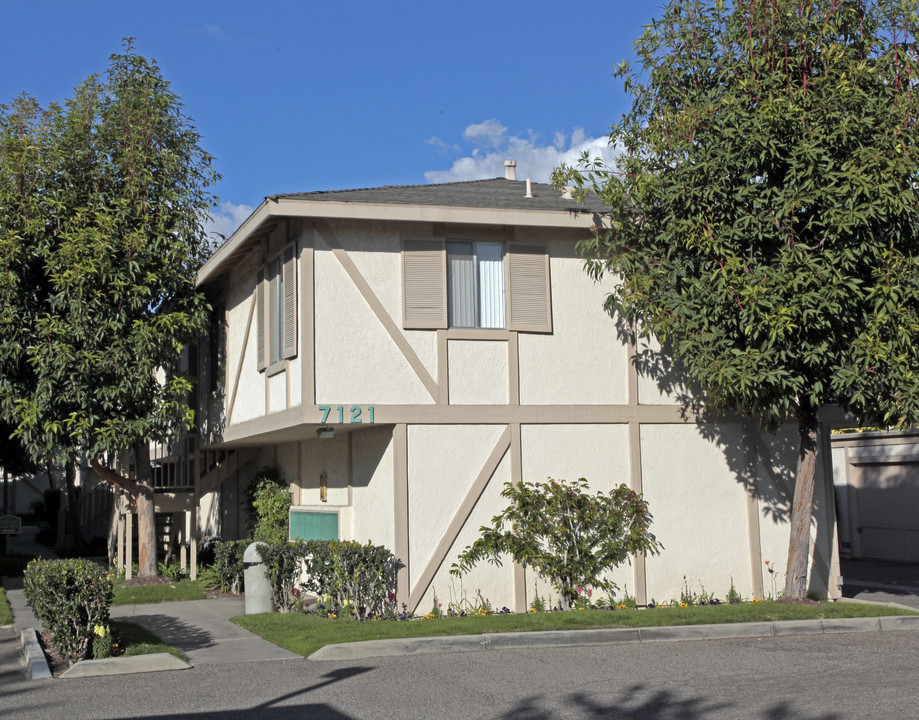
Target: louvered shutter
pixel 260 353
pixel 289 271
pixel 529 303
pixel 424 282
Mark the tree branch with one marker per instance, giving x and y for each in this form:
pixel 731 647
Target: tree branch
pixel 110 476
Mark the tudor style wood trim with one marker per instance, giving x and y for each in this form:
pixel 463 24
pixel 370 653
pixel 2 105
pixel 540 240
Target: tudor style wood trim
pixel 377 307
pixel 513 370
pixel 307 319
pixel 443 368
pixel 754 536
pixel 516 453
pixel 400 510
pixel 636 481
pixel 460 518
pixel 295 419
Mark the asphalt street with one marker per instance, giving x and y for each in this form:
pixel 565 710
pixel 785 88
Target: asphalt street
pixel 823 677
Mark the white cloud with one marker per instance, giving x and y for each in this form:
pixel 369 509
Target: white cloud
pixel 535 160
pixel 215 31
pixel 225 220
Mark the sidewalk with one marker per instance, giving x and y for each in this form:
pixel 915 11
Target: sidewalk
pixel 199 628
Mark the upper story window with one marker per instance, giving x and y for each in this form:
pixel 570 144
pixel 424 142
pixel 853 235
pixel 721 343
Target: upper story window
pixel 471 284
pixel 475 284
pixel 276 309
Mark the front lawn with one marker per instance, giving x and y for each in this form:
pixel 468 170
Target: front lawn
pixel 137 640
pixel 157 593
pixel 304 634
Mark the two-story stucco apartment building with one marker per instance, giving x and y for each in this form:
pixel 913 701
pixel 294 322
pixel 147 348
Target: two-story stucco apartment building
pixel 399 353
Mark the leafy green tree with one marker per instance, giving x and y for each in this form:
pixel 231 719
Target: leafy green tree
pixel 565 533
pixel 270 501
pixel 102 203
pixel 764 219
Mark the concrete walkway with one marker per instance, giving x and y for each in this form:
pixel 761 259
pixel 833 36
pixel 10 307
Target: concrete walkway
pixel 202 630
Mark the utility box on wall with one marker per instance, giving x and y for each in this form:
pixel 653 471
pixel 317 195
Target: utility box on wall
pixel 313 525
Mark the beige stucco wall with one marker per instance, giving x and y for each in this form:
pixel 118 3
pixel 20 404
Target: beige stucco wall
pixel 699 510
pixel 356 359
pixel 495 582
pixel 372 472
pixel 659 385
pixel 375 248
pixel 329 455
pixel 598 453
pixel 443 463
pixel 478 372
pixel 250 393
pixel 583 361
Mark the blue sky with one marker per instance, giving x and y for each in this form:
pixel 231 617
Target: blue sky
pixel 299 96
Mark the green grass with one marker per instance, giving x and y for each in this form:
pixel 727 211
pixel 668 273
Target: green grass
pixel 6 615
pixel 304 634
pixel 137 640
pixel 163 592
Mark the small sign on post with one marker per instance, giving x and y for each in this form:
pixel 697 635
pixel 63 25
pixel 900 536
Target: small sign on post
pixel 9 525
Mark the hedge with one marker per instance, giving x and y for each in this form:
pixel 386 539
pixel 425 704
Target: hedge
pixel 70 598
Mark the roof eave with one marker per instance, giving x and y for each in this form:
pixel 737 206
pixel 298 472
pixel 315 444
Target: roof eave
pixel 393 212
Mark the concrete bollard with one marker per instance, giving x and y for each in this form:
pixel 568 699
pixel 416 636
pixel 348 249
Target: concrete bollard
pixel 258 590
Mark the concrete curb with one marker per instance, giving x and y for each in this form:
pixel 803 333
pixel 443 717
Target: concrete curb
pixel 618 636
pixel 155 662
pixel 36 664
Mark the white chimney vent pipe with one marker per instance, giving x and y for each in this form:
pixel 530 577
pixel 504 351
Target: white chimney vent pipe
pixel 529 189
pixel 510 169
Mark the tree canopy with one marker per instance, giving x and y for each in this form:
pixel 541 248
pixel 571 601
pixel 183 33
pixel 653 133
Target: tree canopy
pixel 102 206
pixel 764 221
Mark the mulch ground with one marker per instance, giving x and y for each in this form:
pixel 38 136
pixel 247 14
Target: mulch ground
pixel 57 663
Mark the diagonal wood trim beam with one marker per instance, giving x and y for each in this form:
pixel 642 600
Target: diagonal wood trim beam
pixel 459 519
pixel 374 302
pixel 242 357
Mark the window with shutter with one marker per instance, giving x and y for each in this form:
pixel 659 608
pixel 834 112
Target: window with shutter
pixel 424 284
pixel 276 309
pixel 529 307
pixel 473 284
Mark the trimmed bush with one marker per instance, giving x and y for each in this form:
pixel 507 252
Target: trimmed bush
pixel 228 561
pixel 283 567
pixel 70 598
pixel 359 578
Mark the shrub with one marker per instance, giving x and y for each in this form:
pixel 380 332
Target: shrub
pixel 356 576
pixel 283 567
pixel 70 598
pixel 565 533
pixel 270 500
pixel 228 561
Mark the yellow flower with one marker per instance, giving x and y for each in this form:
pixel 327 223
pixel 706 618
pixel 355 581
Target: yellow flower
pixel 756 600
pixel 684 604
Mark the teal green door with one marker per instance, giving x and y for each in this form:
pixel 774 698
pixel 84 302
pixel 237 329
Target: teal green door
pixel 313 525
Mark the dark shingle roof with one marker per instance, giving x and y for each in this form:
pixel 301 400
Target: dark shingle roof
pixel 494 193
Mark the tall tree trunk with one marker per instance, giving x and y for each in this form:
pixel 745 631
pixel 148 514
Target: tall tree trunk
pixel 73 506
pixel 6 491
pixel 141 491
pixel 146 517
pixel 49 468
pixel 802 509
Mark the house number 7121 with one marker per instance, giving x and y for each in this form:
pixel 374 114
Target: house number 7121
pixel 343 413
